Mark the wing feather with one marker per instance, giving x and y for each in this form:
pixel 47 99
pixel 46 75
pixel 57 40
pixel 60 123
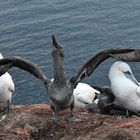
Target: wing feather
pixel 9 62
pixel 88 68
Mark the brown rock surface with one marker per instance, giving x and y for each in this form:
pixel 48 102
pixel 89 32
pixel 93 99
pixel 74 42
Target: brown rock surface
pixel 33 122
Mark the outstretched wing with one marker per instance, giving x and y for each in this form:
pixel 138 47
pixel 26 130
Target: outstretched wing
pixel 121 54
pixel 9 62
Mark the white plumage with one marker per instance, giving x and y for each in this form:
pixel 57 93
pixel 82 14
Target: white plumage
pixel 7 87
pixel 84 94
pixel 125 86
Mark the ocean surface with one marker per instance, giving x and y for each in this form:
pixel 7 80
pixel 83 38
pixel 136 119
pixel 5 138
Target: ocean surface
pixel 83 27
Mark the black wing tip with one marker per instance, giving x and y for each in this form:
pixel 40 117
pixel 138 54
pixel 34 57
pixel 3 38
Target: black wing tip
pixel 117 50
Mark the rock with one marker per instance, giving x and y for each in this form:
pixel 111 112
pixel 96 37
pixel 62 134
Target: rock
pixel 33 122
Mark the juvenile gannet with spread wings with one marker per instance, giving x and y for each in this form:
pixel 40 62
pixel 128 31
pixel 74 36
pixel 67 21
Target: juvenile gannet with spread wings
pixel 60 90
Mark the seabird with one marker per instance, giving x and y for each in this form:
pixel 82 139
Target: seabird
pixel 7 89
pixel 84 95
pixel 124 86
pixel 60 90
pixel 107 103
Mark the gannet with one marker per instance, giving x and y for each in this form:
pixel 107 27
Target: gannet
pixel 84 95
pixel 124 86
pixel 7 89
pixel 60 91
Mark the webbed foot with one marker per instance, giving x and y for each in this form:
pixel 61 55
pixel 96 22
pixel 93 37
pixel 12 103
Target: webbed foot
pixel 56 118
pixel 91 106
pixel 73 118
pixel 6 110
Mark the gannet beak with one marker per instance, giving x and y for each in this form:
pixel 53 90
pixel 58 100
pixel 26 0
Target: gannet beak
pixel 57 47
pixel 55 44
pixel 14 93
pixel 131 77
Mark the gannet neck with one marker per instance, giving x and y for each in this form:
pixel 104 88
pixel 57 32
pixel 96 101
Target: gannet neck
pixel 58 56
pixel 59 75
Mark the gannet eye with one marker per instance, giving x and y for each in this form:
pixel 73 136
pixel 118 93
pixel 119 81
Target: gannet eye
pixel 127 72
pixel 11 90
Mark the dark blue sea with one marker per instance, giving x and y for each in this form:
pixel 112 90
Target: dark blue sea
pixel 83 27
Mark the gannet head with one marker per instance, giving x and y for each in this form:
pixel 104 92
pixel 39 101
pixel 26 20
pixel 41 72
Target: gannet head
pixel 57 48
pixel 119 68
pixel 122 69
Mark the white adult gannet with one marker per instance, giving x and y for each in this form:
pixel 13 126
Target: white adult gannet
pixel 7 88
pixel 125 87
pixel 84 95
